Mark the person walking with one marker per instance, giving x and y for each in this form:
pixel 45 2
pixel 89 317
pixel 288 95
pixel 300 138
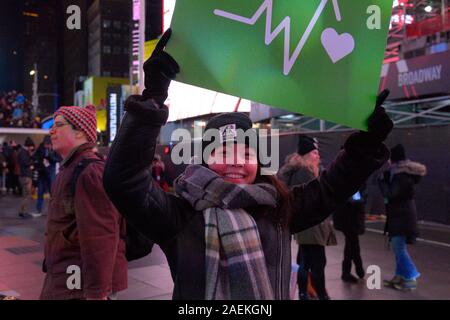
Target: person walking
pixel 12 178
pixel 26 171
pixel 350 220
pixel 44 159
pixel 398 186
pixel 3 170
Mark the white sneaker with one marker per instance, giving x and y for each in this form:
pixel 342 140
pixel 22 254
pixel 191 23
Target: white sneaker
pixel 36 214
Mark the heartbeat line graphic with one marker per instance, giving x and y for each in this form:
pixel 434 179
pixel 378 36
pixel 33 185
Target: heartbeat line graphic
pixel 285 25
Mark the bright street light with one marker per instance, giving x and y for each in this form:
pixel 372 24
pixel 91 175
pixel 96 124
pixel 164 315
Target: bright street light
pixel 428 8
pixel 32 72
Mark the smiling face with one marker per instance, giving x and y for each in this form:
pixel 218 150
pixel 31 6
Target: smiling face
pixel 236 163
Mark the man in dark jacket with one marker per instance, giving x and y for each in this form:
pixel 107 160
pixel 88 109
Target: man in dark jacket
pixel 85 247
pixel 12 178
pixel 3 170
pixel 398 188
pixel 44 160
pixel 26 168
pixel 179 227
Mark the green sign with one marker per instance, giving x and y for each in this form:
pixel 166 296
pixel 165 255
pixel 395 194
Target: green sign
pixel 321 58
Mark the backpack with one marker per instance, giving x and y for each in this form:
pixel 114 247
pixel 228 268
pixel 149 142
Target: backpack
pixel 137 245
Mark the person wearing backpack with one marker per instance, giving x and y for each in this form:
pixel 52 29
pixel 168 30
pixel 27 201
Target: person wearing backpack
pixel 85 235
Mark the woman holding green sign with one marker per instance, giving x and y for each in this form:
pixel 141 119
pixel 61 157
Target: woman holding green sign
pixel 226 232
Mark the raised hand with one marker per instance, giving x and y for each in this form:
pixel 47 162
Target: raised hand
pixel 159 70
pixel 379 123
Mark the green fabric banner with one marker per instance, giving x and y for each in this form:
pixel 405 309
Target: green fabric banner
pixel 321 58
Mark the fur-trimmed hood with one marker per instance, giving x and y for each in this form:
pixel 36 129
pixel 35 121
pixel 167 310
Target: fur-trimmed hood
pixel 294 162
pixel 410 167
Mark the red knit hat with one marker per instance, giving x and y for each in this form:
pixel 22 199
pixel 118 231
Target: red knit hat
pixel 81 118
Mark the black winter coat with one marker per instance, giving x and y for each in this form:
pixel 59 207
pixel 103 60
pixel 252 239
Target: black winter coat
pixel 25 163
pixel 38 160
pixel 350 218
pixel 179 230
pixel 398 186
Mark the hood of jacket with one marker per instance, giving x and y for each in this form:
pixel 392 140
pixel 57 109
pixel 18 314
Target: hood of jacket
pixel 294 163
pixel 409 167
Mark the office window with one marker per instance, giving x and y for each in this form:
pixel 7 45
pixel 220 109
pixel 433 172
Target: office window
pixel 117 24
pixel 106 35
pixel 106 24
pixel 106 49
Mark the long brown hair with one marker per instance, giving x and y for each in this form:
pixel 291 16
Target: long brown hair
pixel 283 210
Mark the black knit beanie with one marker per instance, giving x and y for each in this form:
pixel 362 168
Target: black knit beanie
pixel 228 125
pixel 398 153
pixel 307 144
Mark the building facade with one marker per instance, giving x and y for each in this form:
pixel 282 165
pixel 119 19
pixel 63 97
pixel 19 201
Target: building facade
pixel 109 38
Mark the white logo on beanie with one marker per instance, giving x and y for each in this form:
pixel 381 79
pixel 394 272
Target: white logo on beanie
pixel 228 132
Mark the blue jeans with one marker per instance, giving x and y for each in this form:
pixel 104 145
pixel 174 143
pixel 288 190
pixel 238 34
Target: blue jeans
pixel 405 267
pixel 44 186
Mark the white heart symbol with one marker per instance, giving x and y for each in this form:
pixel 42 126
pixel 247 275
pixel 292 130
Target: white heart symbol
pixel 337 46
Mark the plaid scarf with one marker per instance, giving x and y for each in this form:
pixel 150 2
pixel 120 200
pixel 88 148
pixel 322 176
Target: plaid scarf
pixel 235 263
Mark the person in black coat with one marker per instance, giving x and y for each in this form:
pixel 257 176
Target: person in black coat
pixel 226 232
pixel 350 220
pixel 25 162
pixel 45 159
pixel 398 186
pixel 300 168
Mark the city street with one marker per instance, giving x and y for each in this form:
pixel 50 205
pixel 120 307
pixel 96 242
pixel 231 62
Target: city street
pixel 21 253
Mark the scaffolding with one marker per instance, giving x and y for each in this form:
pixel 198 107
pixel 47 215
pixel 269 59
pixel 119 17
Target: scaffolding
pixel 411 113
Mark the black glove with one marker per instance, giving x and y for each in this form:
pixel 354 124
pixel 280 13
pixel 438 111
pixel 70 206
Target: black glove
pixel 386 176
pixel 379 123
pixel 159 70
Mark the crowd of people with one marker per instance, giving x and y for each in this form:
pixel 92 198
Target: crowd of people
pixel 226 229
pixel 16 111
pixel 26 170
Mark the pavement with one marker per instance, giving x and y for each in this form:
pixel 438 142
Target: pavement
pixel 21 254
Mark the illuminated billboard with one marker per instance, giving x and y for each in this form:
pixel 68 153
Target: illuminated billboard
pixel 186 101
pixel 95 91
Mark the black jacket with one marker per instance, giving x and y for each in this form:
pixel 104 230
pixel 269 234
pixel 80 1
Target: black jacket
pixel 38 160
pixel 350 218
pixel 179 230
pixel 25 163
pixel 398 186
